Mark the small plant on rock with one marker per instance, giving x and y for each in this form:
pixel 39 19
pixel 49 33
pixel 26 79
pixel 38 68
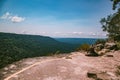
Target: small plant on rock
pixel 84 47
pixel 118 45
pixel 100 41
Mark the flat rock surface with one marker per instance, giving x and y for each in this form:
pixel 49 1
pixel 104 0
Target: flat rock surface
pixel 75 67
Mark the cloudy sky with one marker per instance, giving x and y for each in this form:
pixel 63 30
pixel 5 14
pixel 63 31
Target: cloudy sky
pixel 55 18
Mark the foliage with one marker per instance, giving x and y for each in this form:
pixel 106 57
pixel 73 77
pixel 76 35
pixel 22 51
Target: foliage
pixel 77 41
pixel 118 45
pixel 100 41
pixel 84 47
pixel 116 3
pixel 54 54
pixel 14 47
pixel 111 24
pixel 57 52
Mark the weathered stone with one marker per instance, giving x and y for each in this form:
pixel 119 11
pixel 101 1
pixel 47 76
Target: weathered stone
pixel 108 55
pixel 68 57
pixel 111 74
pixel 6 68
pixel 99 75
pixel 98 47
pixel 4 72
pixel 12 66
pixel 103 52
pixel 91 52
pixel 110 46
pixel 92 74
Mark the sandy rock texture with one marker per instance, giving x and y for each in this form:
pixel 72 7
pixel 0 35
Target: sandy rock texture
pixel 75 66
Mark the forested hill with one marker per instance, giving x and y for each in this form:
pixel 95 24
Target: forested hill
pixel 14 47
pixel 78 41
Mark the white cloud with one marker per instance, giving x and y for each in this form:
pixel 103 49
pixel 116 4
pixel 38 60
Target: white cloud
pixel 92 34
pixel 78 33
pixel 8 16
pixel 97 34
pixel 17 19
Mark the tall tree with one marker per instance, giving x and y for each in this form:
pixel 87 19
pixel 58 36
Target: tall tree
pixel 111 24
pixel 116 4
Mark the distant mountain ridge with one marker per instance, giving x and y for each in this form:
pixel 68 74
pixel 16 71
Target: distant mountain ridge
pixel 14 47
pixel 78 41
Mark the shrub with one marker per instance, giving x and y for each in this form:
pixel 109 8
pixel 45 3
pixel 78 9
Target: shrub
pixel 57 52
pixel 118 45
pixel 117 38
pixel 100 41
pixel 54 53
pixel 84 47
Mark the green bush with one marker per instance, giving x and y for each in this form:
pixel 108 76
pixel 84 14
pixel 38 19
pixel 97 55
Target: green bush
pixel 84 47
pixel 118 45
pixel 100 41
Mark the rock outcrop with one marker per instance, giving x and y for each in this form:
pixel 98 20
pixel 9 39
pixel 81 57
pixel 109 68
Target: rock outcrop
pixel 75 66
pixel 101 75
pixel 111 46
pixel 101 49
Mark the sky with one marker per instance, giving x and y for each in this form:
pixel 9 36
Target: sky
pixel 54 18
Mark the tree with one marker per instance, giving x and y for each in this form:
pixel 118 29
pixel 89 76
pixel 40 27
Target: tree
pixel 111 24
pixel 115 3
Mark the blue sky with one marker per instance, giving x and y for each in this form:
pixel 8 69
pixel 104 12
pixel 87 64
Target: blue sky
pixel 55 18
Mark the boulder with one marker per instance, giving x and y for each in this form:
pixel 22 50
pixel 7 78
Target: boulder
pixel 102 49
pixel 92 74
pixel 91 52
pixel 6 68
pixel 68 57
pixel 99 46
pixel 111 46
pixel 12 66
pixel 101 75
pixel 109 55
pixel 103 52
